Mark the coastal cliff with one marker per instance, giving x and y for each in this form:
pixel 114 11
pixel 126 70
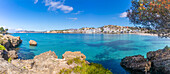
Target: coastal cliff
pixel 156 62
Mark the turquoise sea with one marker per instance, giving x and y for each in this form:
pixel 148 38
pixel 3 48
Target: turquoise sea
pixel 106 49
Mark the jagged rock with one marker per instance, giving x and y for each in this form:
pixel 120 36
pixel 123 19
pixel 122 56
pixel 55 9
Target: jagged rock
pixel 136 63
pixel 28 64
pixel 33 43
pixel 45 63
pixel 10 42
pixel 4 54
pixel 7 44
pixel 12 54
pixel 15 41
pixel 8 68
pixel 44 56
pixel 157 62
pixel 71 55
pixel 160 60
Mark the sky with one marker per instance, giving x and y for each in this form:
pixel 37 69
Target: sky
pixel 45 15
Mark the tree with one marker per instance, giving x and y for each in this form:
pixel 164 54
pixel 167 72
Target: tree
pixel 6 30
pixel 154 14
pixel 2 30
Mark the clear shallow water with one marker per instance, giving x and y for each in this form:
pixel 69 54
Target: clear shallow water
pixel 106 49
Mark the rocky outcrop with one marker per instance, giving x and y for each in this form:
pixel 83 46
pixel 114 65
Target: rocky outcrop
pixel 15 41
pixel 70 55
pixel 10 42
pixel 136 63
pixel 45 63
pixel 4 54
pixel 160 60
pixel 8 54
pixel 8 68
pixel 33 43
pixel 12 54
pixel 156 62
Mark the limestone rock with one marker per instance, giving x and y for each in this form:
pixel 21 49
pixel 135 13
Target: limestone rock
pixel 15 41
pixel 8 68
pixel 45 56
pixel 71 55
pixel 33 43
pixel 136 63
pixel 12 54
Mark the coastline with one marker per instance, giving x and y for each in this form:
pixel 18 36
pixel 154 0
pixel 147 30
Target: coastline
pixel 144 34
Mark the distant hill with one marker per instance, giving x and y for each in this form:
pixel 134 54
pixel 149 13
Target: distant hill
pixel 25 31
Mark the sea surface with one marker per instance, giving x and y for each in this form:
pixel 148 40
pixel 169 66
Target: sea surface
pixel 105 49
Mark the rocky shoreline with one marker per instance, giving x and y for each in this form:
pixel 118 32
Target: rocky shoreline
pixel 45 63
pixel 157 62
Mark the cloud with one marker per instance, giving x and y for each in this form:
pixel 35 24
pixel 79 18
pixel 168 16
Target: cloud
pixel 54 5
pixel 36 1
pixel 78 12
pixel 123 15
pixel 73 19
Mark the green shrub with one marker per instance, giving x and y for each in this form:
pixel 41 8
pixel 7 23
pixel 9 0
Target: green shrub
pixel 2 47
pixel 69 62
pixel 75 60
pixel 93 68
pixel 167 47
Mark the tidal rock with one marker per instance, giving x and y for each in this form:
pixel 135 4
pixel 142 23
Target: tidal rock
pixel 71 55
pixel 33 43
pixel 160 60
pixel 136 64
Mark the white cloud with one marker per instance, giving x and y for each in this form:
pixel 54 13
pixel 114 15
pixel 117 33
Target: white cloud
pixel 123 15
pixel 36 1
pixel 78 12
pixel 54 5
pixel 73 19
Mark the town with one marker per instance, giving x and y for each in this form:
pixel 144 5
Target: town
pixel 108 29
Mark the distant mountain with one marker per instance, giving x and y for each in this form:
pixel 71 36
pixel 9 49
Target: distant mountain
pixel 25 31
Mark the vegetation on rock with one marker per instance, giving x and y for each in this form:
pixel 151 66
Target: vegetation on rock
pixel 85 68
pixel 2 30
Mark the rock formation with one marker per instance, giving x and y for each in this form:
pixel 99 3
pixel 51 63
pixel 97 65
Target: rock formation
pixel 136 63
pixel 10 42
pixel 156 62
pixel 45 63
pixel 160 60
pixel 69 55
pixel 33 43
